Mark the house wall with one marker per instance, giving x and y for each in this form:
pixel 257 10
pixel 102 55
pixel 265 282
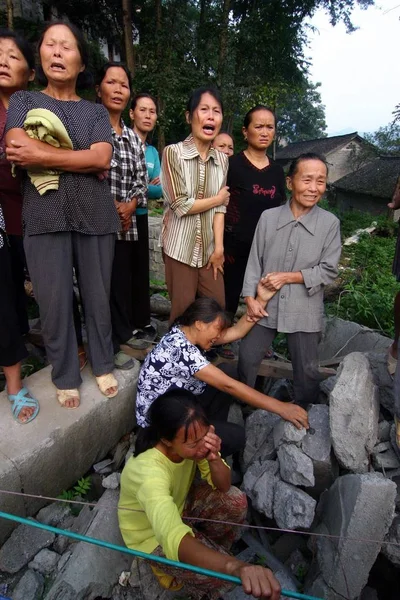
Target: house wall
pixel 352 201
pixel 344 160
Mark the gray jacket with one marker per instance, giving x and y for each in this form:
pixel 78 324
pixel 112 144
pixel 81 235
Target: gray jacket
pixel 311 245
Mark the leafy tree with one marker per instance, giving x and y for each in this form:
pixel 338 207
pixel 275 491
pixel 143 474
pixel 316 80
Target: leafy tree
pixel 301 114
pixel 386 139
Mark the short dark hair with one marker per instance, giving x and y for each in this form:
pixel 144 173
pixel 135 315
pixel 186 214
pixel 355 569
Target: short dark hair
pixel 303 157
pixel 195 98
pixel 22 44
pixel 167 414
pixel 143 95
pixel 205 310
pixel 248 116
pixel 85 79
pixel 101 73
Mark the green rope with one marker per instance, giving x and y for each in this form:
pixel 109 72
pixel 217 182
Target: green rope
pixel 138 554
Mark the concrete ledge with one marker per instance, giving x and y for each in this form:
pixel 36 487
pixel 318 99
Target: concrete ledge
pixel 59 446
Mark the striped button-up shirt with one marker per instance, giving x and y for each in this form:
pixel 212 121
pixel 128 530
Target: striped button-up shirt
pixel 186 177
pixel 128 174
pixel 311 245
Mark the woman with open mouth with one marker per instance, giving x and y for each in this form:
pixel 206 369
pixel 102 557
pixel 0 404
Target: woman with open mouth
pixel 193 176
pixel 68 213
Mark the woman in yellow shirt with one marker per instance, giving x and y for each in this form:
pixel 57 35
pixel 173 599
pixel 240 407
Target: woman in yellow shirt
pixel 158 491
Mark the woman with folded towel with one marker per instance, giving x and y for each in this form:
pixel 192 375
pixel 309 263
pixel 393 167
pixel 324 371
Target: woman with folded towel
pixel 74 224
pixel 16 70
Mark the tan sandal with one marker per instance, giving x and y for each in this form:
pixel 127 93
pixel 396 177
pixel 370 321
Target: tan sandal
pixel 64 395
pixel 105 382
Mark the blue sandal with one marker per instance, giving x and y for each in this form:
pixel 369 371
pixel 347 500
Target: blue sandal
pixel 23 400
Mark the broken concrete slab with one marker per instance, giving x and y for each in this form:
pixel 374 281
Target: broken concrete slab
pixel 259 484
pixel 340 337
pixel 354 413
pixel 23 544
pixel 62 444
pixel 293 508
pixel 382 379
pixel 45 561
pixel 317 445
pixel 295 467
pixel 53 514
pixel 92 571
pixel 259 438
pixel 367 508
pixel 286 433
pixel 391 545
pixel 29 587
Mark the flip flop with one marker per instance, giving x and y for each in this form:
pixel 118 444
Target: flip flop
pixel 64 395
pixel 105 382
pixel 20 401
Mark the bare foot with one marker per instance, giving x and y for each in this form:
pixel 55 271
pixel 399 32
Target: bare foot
pixel 68 398
pixel 72 402
pixel 26 412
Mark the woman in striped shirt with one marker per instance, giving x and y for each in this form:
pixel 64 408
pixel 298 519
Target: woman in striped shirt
pixel 193 177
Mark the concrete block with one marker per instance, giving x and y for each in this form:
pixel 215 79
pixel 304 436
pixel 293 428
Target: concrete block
pixel 29 587
pixel 295 467
pixel 259 438
pixel 23 544
pixel 93 571
pixel 382 379
pixel 45 561
pixel 112 481
pixel 391 545
pixel 354 413
pixel 366 511
pixel 293 508
pixel 341 337
pixel 384 431
pixel 259 484
pixel 317 445
pixel 61 445
pixel 53 514
pixel 285 432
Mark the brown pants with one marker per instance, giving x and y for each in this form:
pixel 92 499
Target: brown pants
pixel 185 284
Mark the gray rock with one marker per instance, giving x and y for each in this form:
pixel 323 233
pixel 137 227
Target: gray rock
pixel 366 511
pixel 104 467
pixel 259 484
pixel 391 545
pixel 327 385
pixel 317 445
pixel 384 457
pixel 160 305
pixel 83 520
pixel 297 564
pixel 354 413
pixel 285 432
pixel 45 561
pixel 29 587
pixel 295 467
pixel 293 508
pixel 382 379
pixel 384 431
pixel 281 389
pixel 112 481
pixel 259 438
pixel 235 414
pixel 63 560
pixel 61 544
pixel 286 582
pixel 93 571
pixel 23 544
pixel 319 589
pixel 53 514
pixel 341 337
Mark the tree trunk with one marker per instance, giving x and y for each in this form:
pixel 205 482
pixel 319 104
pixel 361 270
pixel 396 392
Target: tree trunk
pixel 223 42
pixel 10 14
pixel 128 36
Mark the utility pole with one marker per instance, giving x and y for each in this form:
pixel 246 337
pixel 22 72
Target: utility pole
pixel 128 35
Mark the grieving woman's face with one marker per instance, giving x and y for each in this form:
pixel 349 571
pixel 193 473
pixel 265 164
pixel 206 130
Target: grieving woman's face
pixel 189 444
pixel 206 120
pixel 114 91
pixel 14 70
pixel 308 184
pixel 209 333
pixel 60 56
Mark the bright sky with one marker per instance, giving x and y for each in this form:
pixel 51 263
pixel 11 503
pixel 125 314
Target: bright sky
pixel 360 71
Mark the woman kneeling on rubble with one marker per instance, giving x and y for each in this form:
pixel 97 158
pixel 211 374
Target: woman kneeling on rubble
pixel 158 492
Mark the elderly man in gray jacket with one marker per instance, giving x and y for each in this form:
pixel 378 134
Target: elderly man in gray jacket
pixel 298 247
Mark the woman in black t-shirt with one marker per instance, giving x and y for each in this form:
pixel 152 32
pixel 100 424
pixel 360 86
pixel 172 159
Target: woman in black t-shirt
pixel 256 183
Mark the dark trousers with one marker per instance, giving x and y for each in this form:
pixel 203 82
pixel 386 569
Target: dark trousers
pixel 12 349
pixel 234 270
pixel 18 263
pixel 216 406
pixel 50 258
pixel 303 353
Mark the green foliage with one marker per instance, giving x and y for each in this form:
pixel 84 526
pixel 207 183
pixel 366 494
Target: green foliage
pixel 386 139
pixel 368 287
pixel 80 489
